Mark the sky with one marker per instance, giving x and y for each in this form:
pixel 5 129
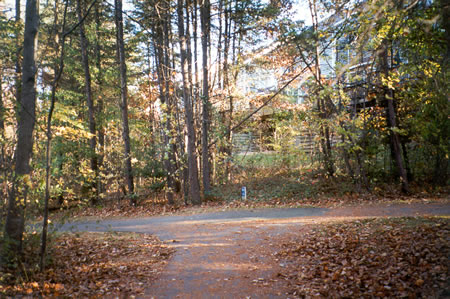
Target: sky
pixel 301 8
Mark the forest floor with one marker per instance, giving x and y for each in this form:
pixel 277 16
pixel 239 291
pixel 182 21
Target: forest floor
pixel 381 249
pixel 265 189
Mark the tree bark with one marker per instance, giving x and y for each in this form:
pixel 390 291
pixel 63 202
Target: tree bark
pixel 2 131
pixel 17 81
pixel 161 43
pixel 15 219
pixel 100 103
pixel 219 47
pixel 58 70
pixel 89 101
pixel 388 97
pixel 194 188
pixel 226 85
pixel 205 15
pixel 325 139
pixel 124 100
pixel 197 102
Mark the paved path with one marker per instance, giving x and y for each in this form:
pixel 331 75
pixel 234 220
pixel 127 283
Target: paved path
pixel 230 254
pixel 158 225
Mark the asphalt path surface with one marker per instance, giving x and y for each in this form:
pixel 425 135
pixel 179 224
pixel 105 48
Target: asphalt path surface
pixel 157 225
pixel 229 254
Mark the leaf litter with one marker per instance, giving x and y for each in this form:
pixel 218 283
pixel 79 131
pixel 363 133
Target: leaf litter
pixel 95 265
pixel 405 257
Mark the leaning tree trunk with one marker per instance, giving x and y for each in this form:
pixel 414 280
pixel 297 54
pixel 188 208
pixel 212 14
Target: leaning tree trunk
pixel 194 188
pixel 90 103
pixel 387 97
pixel 124 99
pixel 15 219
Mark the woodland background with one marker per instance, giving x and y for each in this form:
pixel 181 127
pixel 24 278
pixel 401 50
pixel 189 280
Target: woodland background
pixel 101 103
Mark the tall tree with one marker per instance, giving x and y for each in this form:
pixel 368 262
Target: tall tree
pixel 194 187
pixel 325 139
pixel 387 96
pixel 100 103
pixel 124 99
pixel 58 70
pixel 18 50
pixel 161 38
pixel 15 219
pixel 90 102
pixel 205 19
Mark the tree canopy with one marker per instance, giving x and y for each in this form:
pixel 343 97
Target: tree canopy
pixel 125 100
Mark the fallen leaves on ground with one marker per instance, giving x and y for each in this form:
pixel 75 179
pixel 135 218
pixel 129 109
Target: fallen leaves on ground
pixel 266 189
pixel 149 208
pixel 96 264
pixel 385 258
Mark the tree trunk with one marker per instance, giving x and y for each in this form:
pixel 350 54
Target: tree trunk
pixel 17 81
pixel 15 219
pixel 205 24
pixel 124 100
pixel 388 97
pixel 194 188
pixel 4 169
pixel 409 173
pixel 58 69
pixel 100 104
pixel 325 139
pixel 90 102
pixel 2 131
pixel 161 44
pixel 219 47
pixel 226 82
pixel 197 102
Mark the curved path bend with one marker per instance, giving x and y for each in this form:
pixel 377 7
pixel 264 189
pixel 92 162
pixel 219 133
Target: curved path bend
pixel 231 254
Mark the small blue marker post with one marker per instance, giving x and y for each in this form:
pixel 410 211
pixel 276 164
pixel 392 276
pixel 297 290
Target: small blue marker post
pixel 244 193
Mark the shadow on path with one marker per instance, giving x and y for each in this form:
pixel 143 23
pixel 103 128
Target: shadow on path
pixel 231 254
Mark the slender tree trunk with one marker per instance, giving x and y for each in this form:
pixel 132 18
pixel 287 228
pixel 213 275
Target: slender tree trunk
pixel 161 44
pixel 17 81
pixel 90 102
pixel 194 188
pixel 2 129
pixel 346 158
pixel 219 46
pixel 15 219
pixel 192 88
pixel 324 127
pixel 124 99
pixel 188 54
pixel 409 173
pixel 388 97
pixel 205 24
pixel 167 156
pixel 4 160
pixel 226 82
pixel 197 102
pixel 100 103
pixel 445 15
pixel 58 69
